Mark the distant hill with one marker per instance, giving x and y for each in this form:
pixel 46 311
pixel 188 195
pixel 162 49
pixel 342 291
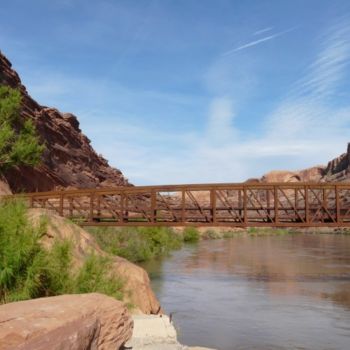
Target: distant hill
pixel 337 170
pixel 69 160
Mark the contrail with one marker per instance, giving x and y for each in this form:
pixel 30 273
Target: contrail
pixel 256 42
pixel 263 30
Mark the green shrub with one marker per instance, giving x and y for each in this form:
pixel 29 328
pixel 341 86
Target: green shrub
pixel 96 276
pixel 190 234
pixel 19 142
pixel 211 234
pixel 267 231
pixel 137 244
pixel 28 270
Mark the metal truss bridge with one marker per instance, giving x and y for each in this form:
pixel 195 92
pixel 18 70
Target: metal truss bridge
pixel 236 205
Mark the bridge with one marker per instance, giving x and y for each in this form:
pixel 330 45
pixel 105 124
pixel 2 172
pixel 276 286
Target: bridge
pixel 232 204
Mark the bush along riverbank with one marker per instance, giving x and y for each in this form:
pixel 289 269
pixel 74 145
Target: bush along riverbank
pixel 138 244
pixel 218 233
pixel 29 270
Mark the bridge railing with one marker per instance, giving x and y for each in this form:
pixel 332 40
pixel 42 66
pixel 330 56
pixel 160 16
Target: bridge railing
pixel 239 205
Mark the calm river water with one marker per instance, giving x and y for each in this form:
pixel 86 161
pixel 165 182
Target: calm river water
pixel 277 292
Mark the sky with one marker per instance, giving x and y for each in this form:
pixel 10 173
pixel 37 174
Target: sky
pixel 189 91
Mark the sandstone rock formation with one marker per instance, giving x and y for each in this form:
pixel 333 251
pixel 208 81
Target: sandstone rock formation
pixel 137 284
pixel 311 174
pixel 69 159
pixel 70 322
pixel 338 169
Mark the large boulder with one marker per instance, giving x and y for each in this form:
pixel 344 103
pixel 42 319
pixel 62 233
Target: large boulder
pixel 138 289
pixel 70 322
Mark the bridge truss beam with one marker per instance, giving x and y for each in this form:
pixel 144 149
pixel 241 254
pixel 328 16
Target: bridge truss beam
pixel 235 205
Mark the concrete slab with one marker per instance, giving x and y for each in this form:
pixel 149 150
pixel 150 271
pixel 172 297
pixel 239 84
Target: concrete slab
pixel 152 332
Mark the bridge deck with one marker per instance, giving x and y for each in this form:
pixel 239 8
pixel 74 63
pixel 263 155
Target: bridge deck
pixel 235 205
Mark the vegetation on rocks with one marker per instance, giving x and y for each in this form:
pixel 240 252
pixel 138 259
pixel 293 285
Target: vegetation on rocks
pixel 190 234
pixel 137 244
pixel 268 231
pixel 19 143
pixel 28 270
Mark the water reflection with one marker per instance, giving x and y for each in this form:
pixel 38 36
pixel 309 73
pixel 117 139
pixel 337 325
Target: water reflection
pixel 280 292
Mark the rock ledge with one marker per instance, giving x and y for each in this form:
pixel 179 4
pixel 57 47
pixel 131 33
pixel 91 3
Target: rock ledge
pixel 69 322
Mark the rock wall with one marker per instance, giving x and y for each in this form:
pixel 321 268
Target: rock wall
pixel 69 159
pixel 338 169
pixel 138 289
pixel 72 322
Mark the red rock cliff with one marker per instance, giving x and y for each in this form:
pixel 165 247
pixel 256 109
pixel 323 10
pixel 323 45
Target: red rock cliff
pixel 337 170
pixel 69 159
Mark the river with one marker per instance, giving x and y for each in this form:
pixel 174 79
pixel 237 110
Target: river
pixel 271 292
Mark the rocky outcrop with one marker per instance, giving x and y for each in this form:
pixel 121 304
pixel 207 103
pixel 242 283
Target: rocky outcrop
pixel 69 159
pixel 4 188
pixel 313 174
pixel 337 170
pixel 138 289
pixel 71 322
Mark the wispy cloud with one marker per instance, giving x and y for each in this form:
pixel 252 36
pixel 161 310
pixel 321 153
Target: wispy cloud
pixel 302 129
pixel 257 42
pixel 306 107
pixel 261 31
pixel 327 70
pixel 220 120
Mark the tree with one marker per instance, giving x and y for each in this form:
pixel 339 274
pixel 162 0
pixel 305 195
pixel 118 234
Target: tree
pixel 19 142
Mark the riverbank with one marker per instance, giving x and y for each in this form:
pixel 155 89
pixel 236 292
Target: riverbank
pixel 154 332
pixel 67 259
pixel 45 255
pixel 231 232
pixel 141 244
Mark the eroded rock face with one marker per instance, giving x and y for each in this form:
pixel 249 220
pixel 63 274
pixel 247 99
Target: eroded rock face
pixel 338 169
pixel 138 289
pixel 70 322
pixel 69 159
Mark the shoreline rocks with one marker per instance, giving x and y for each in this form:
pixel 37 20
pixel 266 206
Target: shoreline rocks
pixel 72 322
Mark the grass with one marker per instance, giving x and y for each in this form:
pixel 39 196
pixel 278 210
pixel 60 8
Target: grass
pixel 190 235
pixel 28 270
pixel 137 244
pixel 251 231
pixel 266 231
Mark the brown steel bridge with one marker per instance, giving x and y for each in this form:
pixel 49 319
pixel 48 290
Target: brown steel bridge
pixel 235 205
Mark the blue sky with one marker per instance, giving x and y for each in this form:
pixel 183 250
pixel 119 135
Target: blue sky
pixel 191 91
